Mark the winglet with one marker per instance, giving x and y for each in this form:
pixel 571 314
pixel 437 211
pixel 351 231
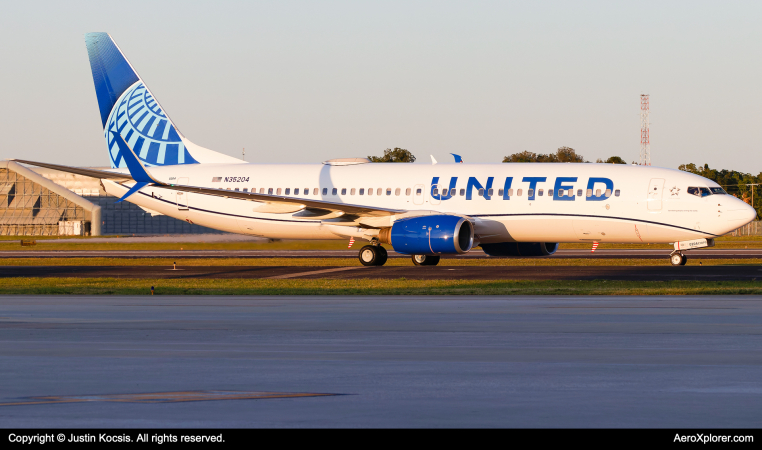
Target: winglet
pixel 136 168
pixel 458 159
pixel 134 189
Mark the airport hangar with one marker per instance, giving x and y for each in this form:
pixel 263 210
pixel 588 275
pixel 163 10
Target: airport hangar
pixel 46 202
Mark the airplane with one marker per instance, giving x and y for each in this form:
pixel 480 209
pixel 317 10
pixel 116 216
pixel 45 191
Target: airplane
pixel 421 210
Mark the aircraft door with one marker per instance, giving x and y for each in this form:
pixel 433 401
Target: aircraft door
pixel 419 192
pixel 182 197
pixel 655 191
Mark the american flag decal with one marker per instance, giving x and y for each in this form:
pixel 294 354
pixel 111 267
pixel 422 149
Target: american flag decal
pixel 595 245
pixel 351 241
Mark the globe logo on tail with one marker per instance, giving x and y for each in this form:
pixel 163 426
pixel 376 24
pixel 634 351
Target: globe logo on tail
pixel 138 118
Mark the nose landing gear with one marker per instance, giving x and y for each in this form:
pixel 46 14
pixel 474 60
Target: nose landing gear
pixel 678 259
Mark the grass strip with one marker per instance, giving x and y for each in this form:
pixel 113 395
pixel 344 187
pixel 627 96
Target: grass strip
pixel 349 262
pixel 121 286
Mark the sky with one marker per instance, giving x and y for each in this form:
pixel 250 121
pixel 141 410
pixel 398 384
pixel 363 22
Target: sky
pixel 306 81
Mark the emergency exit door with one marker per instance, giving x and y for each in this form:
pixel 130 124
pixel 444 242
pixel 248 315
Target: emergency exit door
pixel 655 191
pixel 182 197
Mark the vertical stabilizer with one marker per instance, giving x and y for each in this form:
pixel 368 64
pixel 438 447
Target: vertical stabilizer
pixel 128 109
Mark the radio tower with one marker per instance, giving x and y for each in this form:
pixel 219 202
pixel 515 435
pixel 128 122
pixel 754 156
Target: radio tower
pixel 645 136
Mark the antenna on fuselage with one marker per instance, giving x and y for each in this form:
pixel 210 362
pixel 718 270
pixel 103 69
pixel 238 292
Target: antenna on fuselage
pixel 243 154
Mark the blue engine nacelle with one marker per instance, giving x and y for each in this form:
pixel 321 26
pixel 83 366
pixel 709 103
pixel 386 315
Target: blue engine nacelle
pixel 432 235
pixel 520 249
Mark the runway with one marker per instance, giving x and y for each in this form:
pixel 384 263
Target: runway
pixel 476 253
pixel 633 273
pixel 679 362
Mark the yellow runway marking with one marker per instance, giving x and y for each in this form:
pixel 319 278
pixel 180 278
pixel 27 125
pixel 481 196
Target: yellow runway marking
pixel 314 272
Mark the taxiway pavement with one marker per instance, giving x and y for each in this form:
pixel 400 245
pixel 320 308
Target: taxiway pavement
pixel 679 362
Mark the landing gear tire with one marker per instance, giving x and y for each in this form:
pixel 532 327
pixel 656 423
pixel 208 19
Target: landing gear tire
pixel 425 260
pixel 373 255
pixel 678 259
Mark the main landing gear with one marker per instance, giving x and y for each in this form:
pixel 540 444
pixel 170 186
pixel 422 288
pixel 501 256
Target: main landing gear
pixel 425 260
pixel 373 255
pixel 678 259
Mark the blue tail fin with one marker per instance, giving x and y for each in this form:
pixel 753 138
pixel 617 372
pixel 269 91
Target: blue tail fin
pixel 129 109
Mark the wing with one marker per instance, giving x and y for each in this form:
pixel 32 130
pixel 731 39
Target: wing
pixel 94 173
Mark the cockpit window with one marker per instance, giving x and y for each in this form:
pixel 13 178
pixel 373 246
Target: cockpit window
pixel 718 190
pixel 701 191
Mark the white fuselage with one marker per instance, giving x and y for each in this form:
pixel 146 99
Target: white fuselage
pixel 636 205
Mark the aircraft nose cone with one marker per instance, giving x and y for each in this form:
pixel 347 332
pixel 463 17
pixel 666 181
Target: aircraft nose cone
pixel 750 213
pixel 740 213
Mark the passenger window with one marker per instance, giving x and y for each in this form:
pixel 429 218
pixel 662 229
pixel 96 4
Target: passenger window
pixel 388 191
pixel 444 191
pixel 352 192
pixel 261 190
pixel 616 193
pixel 397 191
pixel 407 191
pixel 500 192
pixel 325 191
pixel 270 191
pixel 315 191
pixel 334 191
pixel 288 191
pixel 378 191
pixel 370 191
pixel 278 191
pixel 418 191
pixel 550 192
pixel 229 189
pixel 579 192
pixel 435 192
pixel 490 192
pixel 518 192
pixel 236 189
pixel 530 192
pixel 296 191
pixel 589 193
pixel 481 192
pixel 539 192
pixel 362 191
pixel 462 192
pixel 246 189
pixel 343 191
pixel 608 192
pixel 597 192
